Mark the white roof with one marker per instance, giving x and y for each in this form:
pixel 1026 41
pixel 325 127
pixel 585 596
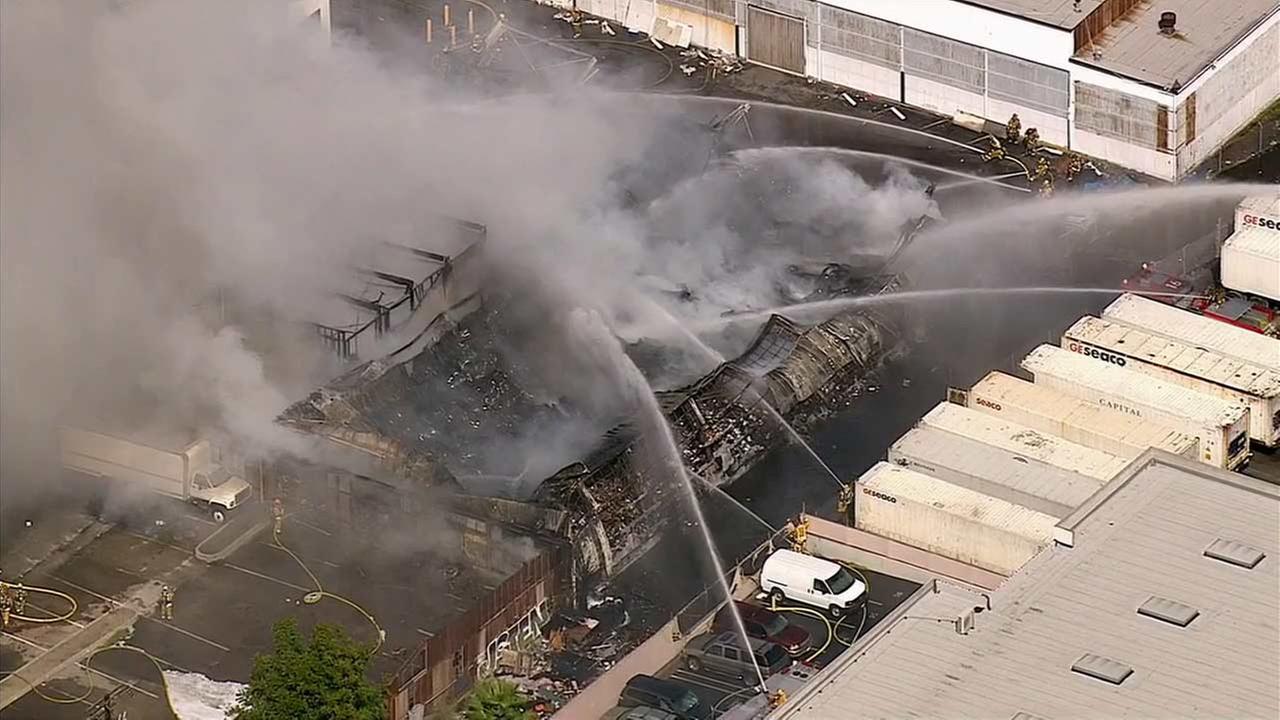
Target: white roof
pixel 1256 241
pixel 795 559
pixel 1199 362
pixel 1262 204
pixel 1162 319
pixel 955 500
pixel 1144 536
pixel 993 471
pixel 1120 383
pixel 1064 14
pixel 1023 441
pixel 1079 412
pixel 1133 46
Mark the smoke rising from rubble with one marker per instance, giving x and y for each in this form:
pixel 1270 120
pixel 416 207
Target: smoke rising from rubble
pixel 165 160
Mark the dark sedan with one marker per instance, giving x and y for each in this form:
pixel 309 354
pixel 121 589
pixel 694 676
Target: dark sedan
pixel 766 624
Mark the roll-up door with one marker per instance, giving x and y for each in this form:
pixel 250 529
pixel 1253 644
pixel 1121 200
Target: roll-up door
pixel 775 39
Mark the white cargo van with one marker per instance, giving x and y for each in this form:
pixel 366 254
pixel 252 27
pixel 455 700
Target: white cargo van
pixel 789 575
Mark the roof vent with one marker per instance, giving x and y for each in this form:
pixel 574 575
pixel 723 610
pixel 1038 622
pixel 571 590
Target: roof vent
pixel 1168 23
pixel 1238 554
pixel 1096 666
pixel 1025 716
pixel 1169 611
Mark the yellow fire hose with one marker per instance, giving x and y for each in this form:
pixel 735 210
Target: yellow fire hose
pixel 9 587
pixel 320 593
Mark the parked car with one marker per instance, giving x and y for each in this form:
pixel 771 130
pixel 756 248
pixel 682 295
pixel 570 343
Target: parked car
pixel 639 713
pixel 788 575
pixel 723 652
pixel 765 624
pixel 651 692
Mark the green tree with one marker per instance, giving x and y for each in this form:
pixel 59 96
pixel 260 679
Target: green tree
pixel 495 700
pixel 320 679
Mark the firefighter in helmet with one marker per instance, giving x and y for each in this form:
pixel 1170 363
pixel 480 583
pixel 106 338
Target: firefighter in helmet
pixel 1042 169
pixel 166 602
pixel 19 598
pixel 1031 140
pixel 1075 166
pixel 995 153
pixel 1046 188
pixel 277 516
pixel 1013 129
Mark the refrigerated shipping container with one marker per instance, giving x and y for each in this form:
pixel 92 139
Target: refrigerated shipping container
pixel 1024 442
pixel 1221 426
pixel 1251 262
pixel 1073 418
pixel 993 471
pixel 1188 327
pixel 1189 366
pixel 949 520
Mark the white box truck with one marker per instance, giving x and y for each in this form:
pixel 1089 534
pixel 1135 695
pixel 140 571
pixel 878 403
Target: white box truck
pixel 1221 426
pixel 189 473
pixel 1197 368
pixel 949 520
pixel 1250 259
pixel 1075 419
pixel 994 471
pixel 1188 327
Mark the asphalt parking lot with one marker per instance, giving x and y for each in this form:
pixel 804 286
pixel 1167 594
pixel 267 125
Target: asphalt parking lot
pixel 223 613
pixel 830 638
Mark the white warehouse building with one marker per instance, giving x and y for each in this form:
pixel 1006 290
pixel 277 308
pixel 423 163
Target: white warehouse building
pixel 1156 86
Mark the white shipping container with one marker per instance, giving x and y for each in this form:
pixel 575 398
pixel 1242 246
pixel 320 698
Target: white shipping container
pixel 949 520
pixel 1188 327
pixel 1197 368
pixel 1075 419
pixel 1024 442
pixel 1251 262
pixel 1221 426
pixel 992 471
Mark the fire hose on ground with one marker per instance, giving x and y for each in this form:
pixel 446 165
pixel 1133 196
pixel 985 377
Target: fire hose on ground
pixel 320 593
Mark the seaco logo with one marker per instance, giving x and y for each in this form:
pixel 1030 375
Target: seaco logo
pixel 878 494
pixel 987 403
pixel 1258 221
pixel 1097 354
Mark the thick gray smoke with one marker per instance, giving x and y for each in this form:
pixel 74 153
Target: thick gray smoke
pixel 164 160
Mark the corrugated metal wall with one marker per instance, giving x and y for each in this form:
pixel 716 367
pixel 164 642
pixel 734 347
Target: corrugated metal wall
pixel 860 37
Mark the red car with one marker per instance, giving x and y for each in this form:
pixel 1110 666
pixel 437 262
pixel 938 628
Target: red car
pixel 767 625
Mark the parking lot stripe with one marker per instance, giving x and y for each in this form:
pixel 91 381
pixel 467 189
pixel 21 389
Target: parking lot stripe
pixel 53 614
pixel 25 641
pixel 309 526
pixel 268 578
pixel 117 603
pixel 154 541
pixel 119 681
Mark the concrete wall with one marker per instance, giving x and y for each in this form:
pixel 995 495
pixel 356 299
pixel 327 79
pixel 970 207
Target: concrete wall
pixel 880 554
pixel 708 32
pixel 854 73
pixel 307 8
pixel 943 98
pixel 1244 84
pixel 1053 129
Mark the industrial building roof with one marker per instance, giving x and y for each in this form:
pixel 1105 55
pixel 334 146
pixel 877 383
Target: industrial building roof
pixel 1065 14
pixel 1133 47
pixel 1156 600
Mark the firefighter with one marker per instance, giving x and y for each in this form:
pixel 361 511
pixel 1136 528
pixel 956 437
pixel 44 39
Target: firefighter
pixel 277 516
pixel 928 192
pixel 575 21
pixel 19 599
pixel 995 153
pixel 1031 140
pixel 1013 129
pixel 6 606
pixel 777 699
pixel 844 502
pixel 166 603
pixel 1046 188
pixel 799 535
pixel 1075 166
pixel 477 44
pixel 1042 169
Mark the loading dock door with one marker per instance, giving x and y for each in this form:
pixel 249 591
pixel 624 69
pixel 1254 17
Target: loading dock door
pixel 775 40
